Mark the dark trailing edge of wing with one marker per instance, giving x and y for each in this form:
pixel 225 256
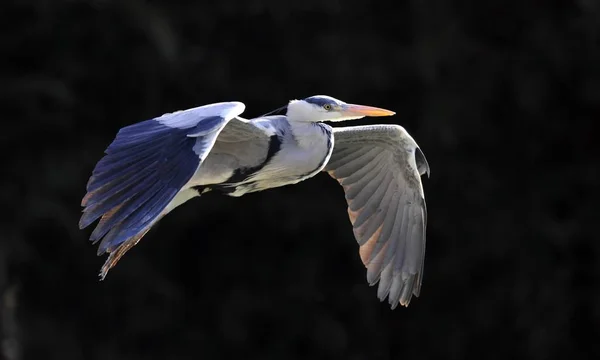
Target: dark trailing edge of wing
pixel 144 168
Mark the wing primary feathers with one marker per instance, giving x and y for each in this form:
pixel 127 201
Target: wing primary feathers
pixel 396 249
pixel 374 222
pixel 119 186
pixel 402 232
pixel 364 189
pixel 373 207
pixel 167 162
pixel 114 257
pixel 95 209
pixel 136 222
pixel 385 282
pixel 414 242
pixel 364 171
pixel 105 176
pixel 388 225
pixel 406 293
pixel 417 290
pixel 374 268
pixel 144 169
pixel 382 177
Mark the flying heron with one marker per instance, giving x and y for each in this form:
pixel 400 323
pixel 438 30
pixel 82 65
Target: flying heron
pixel 153 166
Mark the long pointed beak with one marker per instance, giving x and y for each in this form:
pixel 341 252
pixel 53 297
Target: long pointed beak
pixel 362 110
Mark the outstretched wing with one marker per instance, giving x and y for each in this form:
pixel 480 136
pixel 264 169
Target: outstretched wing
pixel 144 168
pixel 380 168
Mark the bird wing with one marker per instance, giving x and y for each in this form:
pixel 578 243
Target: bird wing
pixel 380 168
pixel 145 167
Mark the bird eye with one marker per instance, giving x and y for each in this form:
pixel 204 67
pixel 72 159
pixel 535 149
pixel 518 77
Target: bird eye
pixel 327 107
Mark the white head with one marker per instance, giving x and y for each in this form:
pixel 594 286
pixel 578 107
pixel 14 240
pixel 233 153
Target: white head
pixel 325 108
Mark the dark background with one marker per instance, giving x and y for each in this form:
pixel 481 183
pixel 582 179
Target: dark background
pixel 498 94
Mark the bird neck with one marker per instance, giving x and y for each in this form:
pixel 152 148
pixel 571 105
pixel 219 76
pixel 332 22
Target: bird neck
pixel 310 134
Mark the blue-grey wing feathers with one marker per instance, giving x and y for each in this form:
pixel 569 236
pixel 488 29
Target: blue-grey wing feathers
pixel 144 168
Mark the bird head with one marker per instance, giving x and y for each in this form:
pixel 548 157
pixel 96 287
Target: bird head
pixel 326 108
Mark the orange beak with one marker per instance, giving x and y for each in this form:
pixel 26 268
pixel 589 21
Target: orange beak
pixel 361 110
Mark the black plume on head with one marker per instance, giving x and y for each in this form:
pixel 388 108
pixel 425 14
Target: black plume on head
pixel 279 111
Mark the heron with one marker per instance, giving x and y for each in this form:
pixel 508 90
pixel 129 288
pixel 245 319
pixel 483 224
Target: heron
pixel 153 166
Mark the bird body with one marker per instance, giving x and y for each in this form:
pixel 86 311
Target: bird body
pixel 288 153
pixel 156 165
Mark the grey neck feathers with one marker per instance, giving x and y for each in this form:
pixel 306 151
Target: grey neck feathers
pixel 309 134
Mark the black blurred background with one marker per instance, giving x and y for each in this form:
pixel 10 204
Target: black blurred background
pixel 499 95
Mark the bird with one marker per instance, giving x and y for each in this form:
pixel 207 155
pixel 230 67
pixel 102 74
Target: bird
pixel 153 166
